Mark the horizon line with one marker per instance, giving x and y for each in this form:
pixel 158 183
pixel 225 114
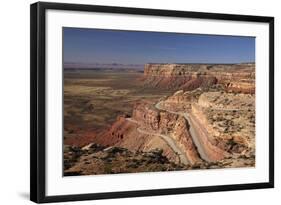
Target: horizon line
pixel 164 63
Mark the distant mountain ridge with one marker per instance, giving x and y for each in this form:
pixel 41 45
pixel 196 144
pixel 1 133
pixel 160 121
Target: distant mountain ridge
pixel 71 65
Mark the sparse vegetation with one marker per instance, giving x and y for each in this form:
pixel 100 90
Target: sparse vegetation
pixel 93 99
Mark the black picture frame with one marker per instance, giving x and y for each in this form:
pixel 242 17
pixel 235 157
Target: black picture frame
pixel 38 101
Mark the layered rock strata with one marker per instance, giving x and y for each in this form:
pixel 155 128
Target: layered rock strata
pixel 229 120
pixel 125 133
pixel 150 128
pixel 192 76
pixel 173 125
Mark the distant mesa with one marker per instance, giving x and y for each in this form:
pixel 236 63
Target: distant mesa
pixel 235 77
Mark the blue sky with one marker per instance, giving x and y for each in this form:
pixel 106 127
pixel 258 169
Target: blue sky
pixel 88 46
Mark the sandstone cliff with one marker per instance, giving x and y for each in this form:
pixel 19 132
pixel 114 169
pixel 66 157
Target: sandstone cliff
pixel 192 76
pixel 150 128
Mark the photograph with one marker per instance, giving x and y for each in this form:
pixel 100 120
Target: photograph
pixel 149 101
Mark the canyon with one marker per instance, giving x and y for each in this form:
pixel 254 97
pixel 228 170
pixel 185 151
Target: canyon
pixel 200 116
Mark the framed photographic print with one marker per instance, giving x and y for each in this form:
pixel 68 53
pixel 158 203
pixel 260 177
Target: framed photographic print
pixel 129 102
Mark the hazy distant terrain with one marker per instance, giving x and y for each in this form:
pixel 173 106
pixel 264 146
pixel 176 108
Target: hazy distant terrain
pixel 102 66
pixel 93 99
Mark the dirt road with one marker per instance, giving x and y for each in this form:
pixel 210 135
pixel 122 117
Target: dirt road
pixel 193 132
pixel 169 140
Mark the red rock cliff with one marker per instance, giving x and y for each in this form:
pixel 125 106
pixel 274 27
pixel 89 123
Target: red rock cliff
pixel 192 76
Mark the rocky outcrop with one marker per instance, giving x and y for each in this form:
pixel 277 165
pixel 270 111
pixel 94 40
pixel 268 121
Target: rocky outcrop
pixel 226 101
pixel 179 101
pixel 97 159
pixel 229 120
pixel 240 87
pixel 182 135
pixel 168 123
pixel 150 117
